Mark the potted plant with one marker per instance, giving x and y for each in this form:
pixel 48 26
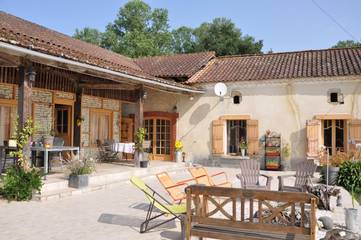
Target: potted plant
pixel 351 214
pixel 178 147
pixel 243 147
pixel 331 166
pixel 48 139
pixel 139 147
pixel 80 169
pixel 286 155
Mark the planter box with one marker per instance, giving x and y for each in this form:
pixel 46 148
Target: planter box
pixel 78 181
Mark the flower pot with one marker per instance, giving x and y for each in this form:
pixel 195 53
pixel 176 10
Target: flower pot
pixel 243 152
pixel 351 219
pixel 78 181
pixel 48 140
pixel 332 174
pixel 143 164
pixel 178 156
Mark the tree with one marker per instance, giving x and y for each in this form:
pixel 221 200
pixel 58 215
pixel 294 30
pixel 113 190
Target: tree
pixel 221 36
pixel 347 43
pixel 139 31
pixel 90 35
pixel 183 40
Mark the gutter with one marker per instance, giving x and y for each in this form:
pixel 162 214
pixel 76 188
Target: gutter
pixel 24 51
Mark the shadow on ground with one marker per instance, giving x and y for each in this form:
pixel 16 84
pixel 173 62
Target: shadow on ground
pixel 132 222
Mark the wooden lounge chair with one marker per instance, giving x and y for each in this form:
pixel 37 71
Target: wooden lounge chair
pixel 201 176
pixel 250 174
pixel 304 174
pixel 106 153
pixel 156 201
pixel 173 188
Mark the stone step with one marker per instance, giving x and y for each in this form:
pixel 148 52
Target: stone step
pixel 60 189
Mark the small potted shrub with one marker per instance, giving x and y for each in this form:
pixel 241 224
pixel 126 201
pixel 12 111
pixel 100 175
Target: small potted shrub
pixel 243 147
pixel 80 169
pixel 139 147
pixel 331 167
pixel 351 214
pixel 178 147
pixel 286 156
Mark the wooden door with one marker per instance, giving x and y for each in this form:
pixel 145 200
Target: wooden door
pixel 127 129
pixel 4 123
pixel 63 123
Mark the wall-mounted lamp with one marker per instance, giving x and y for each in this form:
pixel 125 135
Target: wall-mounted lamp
pixel 341 98
pixel 144 95
pixel 191 98
pixel 31 75
pixel 175 108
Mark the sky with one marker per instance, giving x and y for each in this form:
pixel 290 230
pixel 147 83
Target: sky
pixel 283 25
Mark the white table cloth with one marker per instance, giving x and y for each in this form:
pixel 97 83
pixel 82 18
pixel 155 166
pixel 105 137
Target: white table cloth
pixel 123 147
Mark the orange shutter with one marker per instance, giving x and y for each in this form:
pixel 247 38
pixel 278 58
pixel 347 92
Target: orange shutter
pixel 217 136
pixel 252 137
pixel 354 132
pixel 313 132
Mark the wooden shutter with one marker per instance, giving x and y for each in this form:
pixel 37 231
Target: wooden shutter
pixel 313 128
pixel 217 136
pixel 252 137
pixel 354 132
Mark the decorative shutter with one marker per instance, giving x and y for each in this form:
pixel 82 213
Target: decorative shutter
pixel 354 133
pixel 252 137
pixel 313 133
pixel 217 136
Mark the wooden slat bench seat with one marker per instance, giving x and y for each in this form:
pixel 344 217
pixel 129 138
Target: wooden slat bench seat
pixel 232 213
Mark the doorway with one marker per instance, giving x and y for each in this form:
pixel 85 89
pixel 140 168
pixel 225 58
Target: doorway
pixel 63 123
pixel 334 135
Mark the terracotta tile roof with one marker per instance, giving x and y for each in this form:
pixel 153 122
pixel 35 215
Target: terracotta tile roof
pixel 179 65
pixel 22 33
pixel 302 64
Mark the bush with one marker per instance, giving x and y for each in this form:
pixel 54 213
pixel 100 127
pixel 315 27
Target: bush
pixel 350 175
pixel 19 184
pixel 79 166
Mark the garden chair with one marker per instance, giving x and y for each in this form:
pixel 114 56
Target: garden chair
pixel 250 175
pixel 105 151
pixel 304 174
pixel 156 201
pixel 201 176
pixel 173 188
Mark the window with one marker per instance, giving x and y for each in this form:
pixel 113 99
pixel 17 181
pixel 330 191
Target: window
pixel 236 132
pixel 334 135
pixel 100 126
pixel 5 123
pixel 335 96
pixel 237 97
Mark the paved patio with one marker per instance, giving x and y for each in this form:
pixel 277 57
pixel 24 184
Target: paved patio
pixel 112 213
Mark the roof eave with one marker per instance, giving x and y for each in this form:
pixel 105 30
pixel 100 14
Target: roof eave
pixel 24 52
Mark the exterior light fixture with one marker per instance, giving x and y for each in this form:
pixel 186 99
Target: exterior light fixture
pixel 144 95
pixel 341 98
pixel 191 98
pixel 31 75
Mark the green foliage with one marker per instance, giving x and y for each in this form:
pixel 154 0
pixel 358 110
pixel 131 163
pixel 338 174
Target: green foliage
pixel 223 37
pixel 140 31
pixel 347 43
pixel 349 175
pixel 90 35
pixel 19 184
pixel 22 139
pixel 79 166
pixel 139 139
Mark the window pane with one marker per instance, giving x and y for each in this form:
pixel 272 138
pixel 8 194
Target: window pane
pixel 236 132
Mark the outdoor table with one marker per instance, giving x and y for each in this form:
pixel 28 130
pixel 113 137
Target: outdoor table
pixel 52 149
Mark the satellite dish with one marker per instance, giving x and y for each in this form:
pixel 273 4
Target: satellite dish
pixel 220 89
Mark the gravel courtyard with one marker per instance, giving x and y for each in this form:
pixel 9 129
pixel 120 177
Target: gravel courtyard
pixel 114 213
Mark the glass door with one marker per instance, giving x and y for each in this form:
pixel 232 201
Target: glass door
pixel 159 133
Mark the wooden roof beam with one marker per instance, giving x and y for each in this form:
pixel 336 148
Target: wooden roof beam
pixel 114 86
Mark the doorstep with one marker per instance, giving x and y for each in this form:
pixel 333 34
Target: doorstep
pixel 100 181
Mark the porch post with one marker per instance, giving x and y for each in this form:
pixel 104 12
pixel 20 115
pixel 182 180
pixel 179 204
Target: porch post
pixel 139 116
pixel 26 79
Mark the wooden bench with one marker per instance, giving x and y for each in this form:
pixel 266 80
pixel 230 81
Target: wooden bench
pixel 232 213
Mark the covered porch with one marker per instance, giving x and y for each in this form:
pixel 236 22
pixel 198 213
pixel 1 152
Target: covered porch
pixel 82 104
